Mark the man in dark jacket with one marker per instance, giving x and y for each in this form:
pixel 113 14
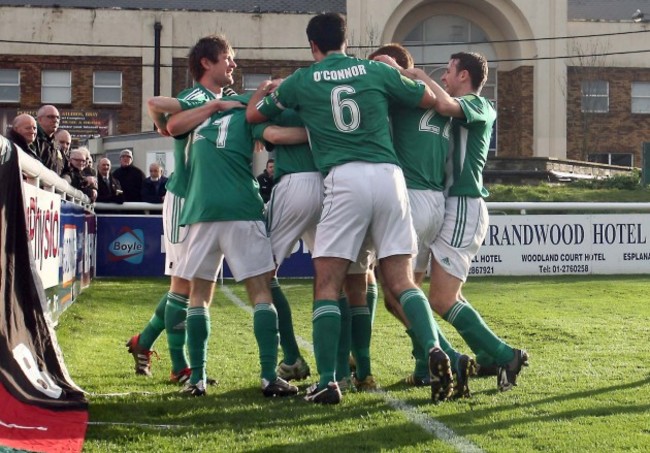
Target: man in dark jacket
pixel 23 134
pixel 48 119
pixel 265 180
pixel 108 188
pixel 153 188
pixel 129 176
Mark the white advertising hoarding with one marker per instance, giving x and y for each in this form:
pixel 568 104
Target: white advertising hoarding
pixel 42 211
pixel 565 244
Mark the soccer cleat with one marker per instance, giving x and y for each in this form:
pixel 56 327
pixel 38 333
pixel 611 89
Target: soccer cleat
pixel 442 382
pixel 367 385
pixel 466 367
pixel 278 387
pixel 346 386
pixel 197 389
pixel 296 372
pixel 328 395
pixel 487 370
pixel 184 375
pixel 416 381
pixel 141 356
pixel 507 376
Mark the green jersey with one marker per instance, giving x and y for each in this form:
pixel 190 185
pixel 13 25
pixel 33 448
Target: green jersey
pixel 177 182
pixel 471 143
pixel 343 102
pixel 289 158
pixel 421 139
pixel 221 186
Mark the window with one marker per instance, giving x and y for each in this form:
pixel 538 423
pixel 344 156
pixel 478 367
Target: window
pixel 107 87
pixel 252 81
pixel 622 159
pixel 9 85
pixel 56 87
pixel 457 34
pixel 595 96
pixel 640 97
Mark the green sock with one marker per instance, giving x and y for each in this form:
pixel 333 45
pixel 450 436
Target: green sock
pixel 326 327
pixel 288 342
pixel 265 326
pixel 477 334
pixel 175 315
pixel 421 358
pixel 361 334
pixel 155 326
pixel 198 332
pixel 343 354
pixel 371 300
pixel 449 350
pixel 417 311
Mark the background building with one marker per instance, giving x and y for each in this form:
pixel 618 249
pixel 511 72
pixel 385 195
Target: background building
pixel 570 78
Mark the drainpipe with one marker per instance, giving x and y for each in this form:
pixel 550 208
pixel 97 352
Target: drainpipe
pixel 156 59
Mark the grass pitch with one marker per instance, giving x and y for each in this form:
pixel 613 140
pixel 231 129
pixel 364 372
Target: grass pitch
pixel 587 389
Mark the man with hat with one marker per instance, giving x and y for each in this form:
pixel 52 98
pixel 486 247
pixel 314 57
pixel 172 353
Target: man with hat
pixel 129 176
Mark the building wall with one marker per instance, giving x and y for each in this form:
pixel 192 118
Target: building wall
pixel 617 131
pixel 515 112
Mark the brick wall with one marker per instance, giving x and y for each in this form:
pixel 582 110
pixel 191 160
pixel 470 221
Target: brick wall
pixel 276 68
pixel 515 113
pixel 127 114
pixel 619 130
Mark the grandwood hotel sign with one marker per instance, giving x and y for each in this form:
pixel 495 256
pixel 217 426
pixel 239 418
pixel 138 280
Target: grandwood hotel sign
pixel 565 244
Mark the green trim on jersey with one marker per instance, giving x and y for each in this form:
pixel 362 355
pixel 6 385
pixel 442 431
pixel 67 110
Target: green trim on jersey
pixel 421 139
pixel 289 159
pixel 471 143
pixel 343 102
pixel 221 183
pixel 189 98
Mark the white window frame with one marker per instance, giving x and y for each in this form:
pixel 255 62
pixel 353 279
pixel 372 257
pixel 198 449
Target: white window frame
pixel 591 93
pixel 252 81
pixel 59 91
pixel 640 98
pixel 97 86
pixel 591 158
pixel 6 88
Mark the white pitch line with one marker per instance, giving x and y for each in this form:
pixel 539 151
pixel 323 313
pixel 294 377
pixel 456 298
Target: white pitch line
pixel 424 421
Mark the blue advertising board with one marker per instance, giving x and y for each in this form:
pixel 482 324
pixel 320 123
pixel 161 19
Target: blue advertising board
pixel 129 246
pixel 132 245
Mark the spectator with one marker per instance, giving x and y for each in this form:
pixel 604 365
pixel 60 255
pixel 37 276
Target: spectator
pixel 108 188
pixel 75 176
pixel 23 134
pixel 265 180
pixel 129 176
pixel 63 141
pixel 48 118
pixel 153 188
pixel 88 170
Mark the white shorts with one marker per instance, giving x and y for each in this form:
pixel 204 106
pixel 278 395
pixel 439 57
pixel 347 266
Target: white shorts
pixel 243 243
pixel 175 234
pixel 428 212
pixel 367 256
pixel 364 197
pixel 293 212
pixel 463 231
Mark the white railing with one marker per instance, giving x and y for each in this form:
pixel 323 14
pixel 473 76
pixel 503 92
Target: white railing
pixel 128 206
pixel 38 175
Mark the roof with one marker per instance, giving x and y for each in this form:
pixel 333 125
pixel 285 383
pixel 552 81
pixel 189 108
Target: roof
pixel 242 6
pixel 607 10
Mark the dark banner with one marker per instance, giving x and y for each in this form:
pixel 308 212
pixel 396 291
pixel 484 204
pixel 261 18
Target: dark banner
pixel 41 409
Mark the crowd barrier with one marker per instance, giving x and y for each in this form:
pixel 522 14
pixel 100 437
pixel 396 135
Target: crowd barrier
pixel 110 240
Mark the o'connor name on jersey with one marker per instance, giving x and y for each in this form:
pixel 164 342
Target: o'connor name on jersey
pixel 340 74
